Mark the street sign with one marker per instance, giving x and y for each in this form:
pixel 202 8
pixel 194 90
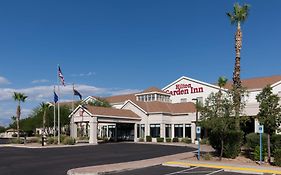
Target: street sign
pixel 198 130
pixel 260 128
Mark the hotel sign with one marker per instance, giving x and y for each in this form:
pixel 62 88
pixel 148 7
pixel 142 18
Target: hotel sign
pixel 182 89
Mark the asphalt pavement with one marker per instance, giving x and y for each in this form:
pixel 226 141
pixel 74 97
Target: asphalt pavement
pixel 56 161
pixel 167 170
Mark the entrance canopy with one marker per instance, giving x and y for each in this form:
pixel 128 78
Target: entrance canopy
pixel 94 115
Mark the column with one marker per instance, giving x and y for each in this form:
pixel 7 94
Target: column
pixel 115 130
pixel 93 130
pixel 73 128
pixel 162 130
pixel 173 130
pixel 193 132
pixel 183 131
pixel 136 132
pixel 107 131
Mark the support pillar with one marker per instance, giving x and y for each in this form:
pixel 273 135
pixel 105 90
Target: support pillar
pixel 93 130
pixel 162 130
pixel 73 128
pixel 135 132
pixel 193 132
pixel 115 136
pixel 173 130
pixel 183 131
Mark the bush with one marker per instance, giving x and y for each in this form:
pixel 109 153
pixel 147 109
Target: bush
pixel 277 157
pixel 276 142
pixel 175 139
pixel 253 140
pixel 50 140
pixel 141 139
pixel 148 139
pixel 205 141
pixel 160 139
pixel 232 143
pixel 257 153
pixel 186 140
pixel 168 139
pixel 34 140
pixel 16 141
pixel 69 141
pixel 207 156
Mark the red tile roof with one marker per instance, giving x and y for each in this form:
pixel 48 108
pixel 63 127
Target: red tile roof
pixel 257 83
pixel 120 98
pixel 164 107
pixel 103 111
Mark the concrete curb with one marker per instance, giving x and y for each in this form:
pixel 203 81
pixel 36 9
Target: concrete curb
pixel 43 147
pixel 100 169
pixel 227 167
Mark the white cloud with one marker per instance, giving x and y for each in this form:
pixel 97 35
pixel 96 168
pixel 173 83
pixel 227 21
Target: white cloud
pixel 84 74
pixel 3 80
pixel 38 94
pixel 40 81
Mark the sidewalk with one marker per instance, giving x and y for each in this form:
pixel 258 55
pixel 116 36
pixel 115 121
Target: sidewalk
pixel 39 146
pixel 235 167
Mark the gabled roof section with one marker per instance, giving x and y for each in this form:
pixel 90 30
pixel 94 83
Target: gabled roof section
pixel 103 111
pixel 257 83
pixel 164 107
pixel 190 79
pixel 152 90
pixel 120 98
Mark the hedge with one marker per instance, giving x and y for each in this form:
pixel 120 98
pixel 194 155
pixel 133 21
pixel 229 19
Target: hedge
pixel 160 139
pixel 148 138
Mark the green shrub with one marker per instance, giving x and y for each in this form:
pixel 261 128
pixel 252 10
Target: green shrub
pixel 257 153
pixel 148 139
pixel 34 140
pixel 16 141
pixel 160 139
pixel 62 137
pixel 186 140
pixel 168 139
pixel 175 139
pixel 141 139
pixel 232 143
pixel 50 140
pixel 205 141
pixel 207 156
pixel 253 140
pixel 68 141
pixel 277 157
pixel 276 142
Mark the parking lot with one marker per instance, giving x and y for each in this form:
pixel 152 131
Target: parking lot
pixel 58 160
pixel 167 170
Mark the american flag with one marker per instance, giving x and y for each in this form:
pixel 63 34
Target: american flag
pixel 61 76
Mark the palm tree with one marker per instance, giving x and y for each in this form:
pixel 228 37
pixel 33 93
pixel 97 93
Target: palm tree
pixel 239 15
pixel 19 97
pixel 222 82
pixel 44 108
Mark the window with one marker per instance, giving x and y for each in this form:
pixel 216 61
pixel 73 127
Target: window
pixel 179 130
pixel 140 131
pixel 188 130
pixel 183 100
pixel 200 100
pixel 155 130
pixel 168 131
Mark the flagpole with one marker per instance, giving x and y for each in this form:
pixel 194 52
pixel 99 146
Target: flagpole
pixel 54 114
pixel 58 108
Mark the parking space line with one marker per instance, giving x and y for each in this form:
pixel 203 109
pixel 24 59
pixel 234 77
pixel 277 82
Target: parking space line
pixel 182 171
pixel 215 172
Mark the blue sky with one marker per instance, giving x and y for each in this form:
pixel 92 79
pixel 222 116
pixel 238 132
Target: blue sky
pixel 113 47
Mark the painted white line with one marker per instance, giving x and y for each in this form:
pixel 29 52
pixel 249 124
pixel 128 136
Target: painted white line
pixel 182 171
pixel 214 172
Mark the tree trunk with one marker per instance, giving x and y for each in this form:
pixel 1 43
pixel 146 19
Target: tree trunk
pixel 221 149
pixel 268 147
pixel 236 76
pixel 18 122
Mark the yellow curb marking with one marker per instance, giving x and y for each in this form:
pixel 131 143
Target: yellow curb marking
pixel 224 167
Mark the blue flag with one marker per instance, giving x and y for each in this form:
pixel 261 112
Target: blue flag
pixel 75 92
pixel 56 98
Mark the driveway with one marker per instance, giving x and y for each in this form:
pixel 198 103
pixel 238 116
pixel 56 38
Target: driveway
pixel 15 161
